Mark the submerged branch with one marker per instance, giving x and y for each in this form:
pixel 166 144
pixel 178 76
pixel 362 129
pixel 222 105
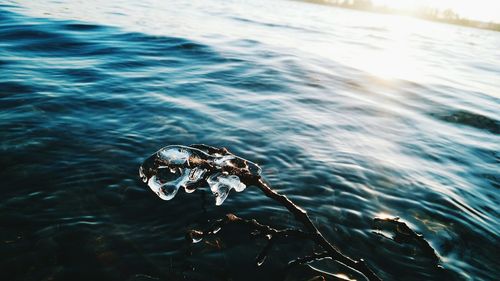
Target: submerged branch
pixel 402 233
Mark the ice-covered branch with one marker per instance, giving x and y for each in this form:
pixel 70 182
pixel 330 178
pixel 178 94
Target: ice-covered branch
pixel 191 167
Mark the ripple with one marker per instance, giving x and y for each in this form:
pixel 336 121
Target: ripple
pixel 471 119
pixel 88 92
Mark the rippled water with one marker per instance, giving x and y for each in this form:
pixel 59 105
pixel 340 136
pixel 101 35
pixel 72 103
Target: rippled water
pixel 353 115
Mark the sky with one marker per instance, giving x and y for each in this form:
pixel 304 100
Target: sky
pixel 484 10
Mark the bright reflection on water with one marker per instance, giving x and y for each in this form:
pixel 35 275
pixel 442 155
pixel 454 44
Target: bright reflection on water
pixel 353 115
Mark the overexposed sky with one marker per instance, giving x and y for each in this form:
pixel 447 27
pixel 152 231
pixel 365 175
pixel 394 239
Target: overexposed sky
pixel 484 10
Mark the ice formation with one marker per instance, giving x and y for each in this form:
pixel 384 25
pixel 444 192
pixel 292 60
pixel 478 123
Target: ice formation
pixel 221 184
pixel 190 167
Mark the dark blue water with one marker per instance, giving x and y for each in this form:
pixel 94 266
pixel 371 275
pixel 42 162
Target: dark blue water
pixel 352 115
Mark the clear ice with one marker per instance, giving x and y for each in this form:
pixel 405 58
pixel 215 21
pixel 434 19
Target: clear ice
pixel 220 185
pixel 176 166
pixel 167 190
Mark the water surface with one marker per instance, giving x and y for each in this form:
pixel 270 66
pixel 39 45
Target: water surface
pixel 352 115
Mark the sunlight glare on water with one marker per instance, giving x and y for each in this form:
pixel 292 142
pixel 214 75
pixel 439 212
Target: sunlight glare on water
pixel 394 59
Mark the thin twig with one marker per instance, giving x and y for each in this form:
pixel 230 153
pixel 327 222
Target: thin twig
pixel 262 230
pixel 301 215
pixel 271 234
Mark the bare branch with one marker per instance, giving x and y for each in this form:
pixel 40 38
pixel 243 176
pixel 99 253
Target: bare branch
pixel 261 229
pixel 301 215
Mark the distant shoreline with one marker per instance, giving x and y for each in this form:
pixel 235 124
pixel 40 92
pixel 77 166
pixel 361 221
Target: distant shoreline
pixel 447 16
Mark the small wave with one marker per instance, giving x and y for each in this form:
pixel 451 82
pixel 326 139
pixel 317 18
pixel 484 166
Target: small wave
pixel 25 32
pixel 276 25
pixel 82 27
pixel 470 119
pixel 9 88
pixel 371 28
